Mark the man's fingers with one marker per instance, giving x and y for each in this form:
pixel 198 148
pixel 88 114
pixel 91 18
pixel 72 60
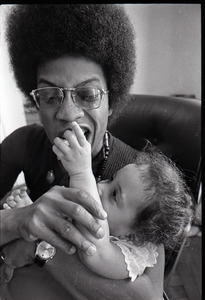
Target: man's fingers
pixel 81 208
pixel 47 218
pixel 62 234
pixel 69 232
pixel 66 237
pixel 85 200
pixel 31 238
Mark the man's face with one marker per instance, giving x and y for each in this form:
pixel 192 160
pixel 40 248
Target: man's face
pixel 72 72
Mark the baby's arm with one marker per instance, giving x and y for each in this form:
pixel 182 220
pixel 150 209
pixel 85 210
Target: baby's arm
pixel 76 159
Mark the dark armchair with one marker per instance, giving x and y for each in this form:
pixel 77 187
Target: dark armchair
pixel 173 126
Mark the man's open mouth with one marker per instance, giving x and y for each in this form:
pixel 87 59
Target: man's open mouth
pixel 85 132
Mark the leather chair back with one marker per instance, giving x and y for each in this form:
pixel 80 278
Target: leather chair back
pixel 173 125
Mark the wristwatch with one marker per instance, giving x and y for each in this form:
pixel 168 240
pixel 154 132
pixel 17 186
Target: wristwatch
pixel 44 252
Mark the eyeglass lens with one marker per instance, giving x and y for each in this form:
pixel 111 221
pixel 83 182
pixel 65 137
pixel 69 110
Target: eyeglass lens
pixel 87 98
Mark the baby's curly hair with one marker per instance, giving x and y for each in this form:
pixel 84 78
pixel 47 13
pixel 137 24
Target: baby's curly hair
pixel 168 210
pixel 100 32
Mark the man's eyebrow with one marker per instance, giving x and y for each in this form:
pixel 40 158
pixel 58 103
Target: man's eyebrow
pixel 42 80
pixel 89 80
pixel 48 82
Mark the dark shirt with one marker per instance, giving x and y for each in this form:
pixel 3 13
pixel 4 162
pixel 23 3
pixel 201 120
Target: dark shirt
pixel 28 149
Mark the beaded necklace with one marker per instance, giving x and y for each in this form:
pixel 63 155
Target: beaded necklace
pixel 50 177
pixel 106 151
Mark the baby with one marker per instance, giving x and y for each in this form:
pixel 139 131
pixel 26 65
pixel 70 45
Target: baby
pixel 147 204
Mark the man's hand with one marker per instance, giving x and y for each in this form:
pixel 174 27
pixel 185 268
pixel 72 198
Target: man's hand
pixel 48 219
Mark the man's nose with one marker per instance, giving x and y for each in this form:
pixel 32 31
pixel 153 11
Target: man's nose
pixel 68 111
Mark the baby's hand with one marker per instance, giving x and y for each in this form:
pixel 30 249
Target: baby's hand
pixel 75 153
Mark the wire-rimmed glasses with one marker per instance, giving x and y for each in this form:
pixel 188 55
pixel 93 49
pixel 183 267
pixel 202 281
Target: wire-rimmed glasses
pixel 84 97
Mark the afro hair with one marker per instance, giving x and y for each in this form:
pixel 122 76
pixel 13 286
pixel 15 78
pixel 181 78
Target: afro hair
pixel 100 32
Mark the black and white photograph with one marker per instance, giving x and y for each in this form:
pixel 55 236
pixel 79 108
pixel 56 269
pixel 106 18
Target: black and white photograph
pixel 101 186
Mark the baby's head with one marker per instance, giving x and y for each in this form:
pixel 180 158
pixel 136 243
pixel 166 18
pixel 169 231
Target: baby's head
pixel 149 200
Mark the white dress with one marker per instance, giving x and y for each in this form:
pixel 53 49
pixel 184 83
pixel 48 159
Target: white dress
pixel 137 258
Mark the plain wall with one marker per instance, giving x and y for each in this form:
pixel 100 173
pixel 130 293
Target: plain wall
pixel 168 47
pixel 12 114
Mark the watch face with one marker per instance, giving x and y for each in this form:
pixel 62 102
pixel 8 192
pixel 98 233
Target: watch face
pixel 45 250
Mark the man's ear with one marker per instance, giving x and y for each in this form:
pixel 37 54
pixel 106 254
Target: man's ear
pixel 110 111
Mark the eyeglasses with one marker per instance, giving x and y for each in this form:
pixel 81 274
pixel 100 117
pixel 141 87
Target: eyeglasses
pixel 84 97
